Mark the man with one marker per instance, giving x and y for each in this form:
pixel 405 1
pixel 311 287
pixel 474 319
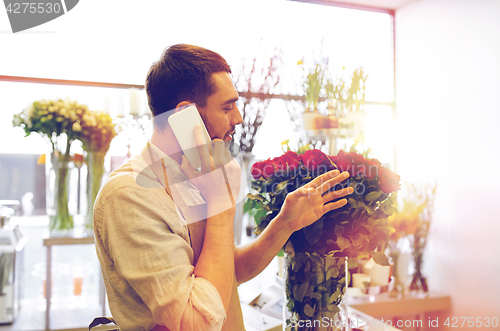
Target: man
pixel 164 231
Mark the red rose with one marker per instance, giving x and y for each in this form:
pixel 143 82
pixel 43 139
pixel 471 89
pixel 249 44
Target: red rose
pixel 314 159
pixel 357 158
pixel 357 164
pixel 277 163
pixel 263 168
pixel 388 180
pixel 290 159
pixel 372 168
pixel 344 162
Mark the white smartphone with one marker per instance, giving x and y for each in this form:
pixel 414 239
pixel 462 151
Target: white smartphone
pixel 182 124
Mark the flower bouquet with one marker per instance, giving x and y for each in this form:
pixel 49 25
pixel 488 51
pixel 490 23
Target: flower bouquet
pixel 402 225
pixel 423 197
pixel 96 134
pixel 316 279
pixel 59 121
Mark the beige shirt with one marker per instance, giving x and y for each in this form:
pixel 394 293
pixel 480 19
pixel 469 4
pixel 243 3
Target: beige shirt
pixel 148 251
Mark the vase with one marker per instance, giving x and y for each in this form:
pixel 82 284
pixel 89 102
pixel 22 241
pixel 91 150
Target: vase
pixel 308 119
pixel 314 287
pixel 95 166
pixel 60 220
pixel 399 288
pixel 419 283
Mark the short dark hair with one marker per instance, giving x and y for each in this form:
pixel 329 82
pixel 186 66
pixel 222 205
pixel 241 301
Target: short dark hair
pixel 183 73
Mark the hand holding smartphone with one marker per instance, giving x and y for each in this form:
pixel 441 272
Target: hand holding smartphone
pixel 182 124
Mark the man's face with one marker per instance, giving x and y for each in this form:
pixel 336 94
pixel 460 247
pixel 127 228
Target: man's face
pixel 221 114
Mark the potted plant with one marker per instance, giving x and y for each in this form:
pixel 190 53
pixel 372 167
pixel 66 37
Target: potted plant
pixel 312 89
pixel 351 99
pixel 59 121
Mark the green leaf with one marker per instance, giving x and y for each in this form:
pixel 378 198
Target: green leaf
pixel 391 210
pixel 307 268
pixel 289 248
pixel 343 242
pixel 330 262
pixel 334 296
pixel 255 197
pixel 380 258
pixel 301 291
pixel 280 253
pixel 368 209
pixel 249 204
pixel 261 227
pixel 372 196
pixel 333 309
pixel 363 230
pixel 334 272
pixel 266 208
pixel 314 231
pixel 281 186
pixel 295 291
pixel 259 215
pixel 352 263
pixel 316 295
pixel 290 306
pixel 315 258
pixel 339 230
pixel 320 277
pixel 352 202
pixel 308 310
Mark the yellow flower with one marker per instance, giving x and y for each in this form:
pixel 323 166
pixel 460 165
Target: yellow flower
pixel 41 159
pixel 64 112
pixel 77 127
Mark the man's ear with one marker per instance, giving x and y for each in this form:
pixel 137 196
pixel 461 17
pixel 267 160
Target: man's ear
pixel 183 104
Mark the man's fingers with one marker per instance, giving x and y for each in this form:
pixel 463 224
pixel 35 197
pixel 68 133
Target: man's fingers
pixel 299 193
pixel 337 194
pixel 331 182
pixel 334 205
pixel 187 169
pixel 227 153
pixel 316 182
pixel 219 155
pixel 202 146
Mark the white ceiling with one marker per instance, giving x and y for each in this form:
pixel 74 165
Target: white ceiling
pixel 385 4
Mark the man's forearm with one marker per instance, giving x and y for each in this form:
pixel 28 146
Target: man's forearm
pixel 254 257
pixel 216 261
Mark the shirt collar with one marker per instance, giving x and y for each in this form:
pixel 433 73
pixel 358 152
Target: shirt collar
pixel 183 191
pixel 171 166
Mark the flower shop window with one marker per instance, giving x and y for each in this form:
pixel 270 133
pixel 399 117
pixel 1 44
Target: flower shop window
pixel 340 41
pixel 30 189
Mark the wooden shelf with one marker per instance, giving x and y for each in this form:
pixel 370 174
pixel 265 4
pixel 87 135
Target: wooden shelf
pixel 53 241
pixel 383 305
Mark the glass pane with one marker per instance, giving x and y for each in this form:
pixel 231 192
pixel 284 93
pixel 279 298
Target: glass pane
pixel 380 132
pixel 275 128
pixel 17 96
pixel 123 50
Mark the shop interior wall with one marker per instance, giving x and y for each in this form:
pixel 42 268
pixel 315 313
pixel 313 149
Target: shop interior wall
pixel 447 83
